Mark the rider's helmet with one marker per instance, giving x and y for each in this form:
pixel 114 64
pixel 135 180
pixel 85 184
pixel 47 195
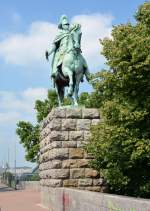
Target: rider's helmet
pixel 63 21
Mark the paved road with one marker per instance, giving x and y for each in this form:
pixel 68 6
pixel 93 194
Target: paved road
pixel 21 200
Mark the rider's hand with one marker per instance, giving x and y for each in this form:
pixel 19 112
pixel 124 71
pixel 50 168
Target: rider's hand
pixel 46 55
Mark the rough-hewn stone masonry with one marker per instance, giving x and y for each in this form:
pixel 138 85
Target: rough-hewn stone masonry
pixel 63 161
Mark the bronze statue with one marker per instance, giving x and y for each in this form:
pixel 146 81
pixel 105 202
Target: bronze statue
pixel 68 64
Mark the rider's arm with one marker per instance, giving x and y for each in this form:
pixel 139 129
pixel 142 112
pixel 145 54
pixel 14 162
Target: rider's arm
pixel 52 49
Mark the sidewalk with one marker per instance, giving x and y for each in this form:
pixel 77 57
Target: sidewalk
pixel 21 200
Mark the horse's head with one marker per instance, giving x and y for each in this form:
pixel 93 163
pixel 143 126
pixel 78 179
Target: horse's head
pixel 76 33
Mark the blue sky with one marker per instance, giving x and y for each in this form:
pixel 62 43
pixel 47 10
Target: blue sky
pixel 27 29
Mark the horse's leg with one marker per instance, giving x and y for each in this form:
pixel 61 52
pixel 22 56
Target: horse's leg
pixel 69 73
pixel 85 68
pixel 70 90
pixel 58 95
pixel 87 74
pixel 78 79
pixel 61 94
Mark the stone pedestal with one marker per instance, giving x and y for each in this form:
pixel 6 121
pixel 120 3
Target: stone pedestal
pixel 63 161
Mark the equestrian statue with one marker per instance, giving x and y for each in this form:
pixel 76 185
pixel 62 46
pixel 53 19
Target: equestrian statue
pixel 68 64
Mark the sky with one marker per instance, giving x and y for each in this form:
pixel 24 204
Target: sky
pixel 27 29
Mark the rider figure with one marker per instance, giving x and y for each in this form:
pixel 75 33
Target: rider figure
pixel 59 45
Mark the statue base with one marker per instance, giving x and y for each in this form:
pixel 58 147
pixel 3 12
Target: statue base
pixel 63 161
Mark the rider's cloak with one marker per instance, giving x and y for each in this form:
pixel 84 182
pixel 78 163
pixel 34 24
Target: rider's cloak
pixel 59 41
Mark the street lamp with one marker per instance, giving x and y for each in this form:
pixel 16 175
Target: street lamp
pixel 15 165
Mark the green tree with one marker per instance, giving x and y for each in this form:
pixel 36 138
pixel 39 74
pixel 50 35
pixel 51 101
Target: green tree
pixel 29 138
pixel 44 107
pixel 121 142
pixel 90 100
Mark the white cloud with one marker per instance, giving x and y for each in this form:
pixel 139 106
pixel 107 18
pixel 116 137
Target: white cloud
pixel 35 93
pixel 28 48
pixel 15 106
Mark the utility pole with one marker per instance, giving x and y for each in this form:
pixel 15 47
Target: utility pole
pixel 8 159
pixel 15 164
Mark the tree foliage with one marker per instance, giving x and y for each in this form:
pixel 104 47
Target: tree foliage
pixel 29 138
pixel 44 107
pixel 121 142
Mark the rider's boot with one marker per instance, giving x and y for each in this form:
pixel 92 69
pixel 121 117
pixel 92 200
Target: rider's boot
pixel 82 80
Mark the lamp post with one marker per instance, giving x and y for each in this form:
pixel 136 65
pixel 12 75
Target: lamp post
pixel 15 164
pixel 8 159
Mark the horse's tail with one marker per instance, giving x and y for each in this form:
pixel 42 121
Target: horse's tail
pixel 86 72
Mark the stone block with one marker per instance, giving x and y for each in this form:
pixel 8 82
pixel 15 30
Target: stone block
pixel 58 136
pixel 79 144
pixel 55 144
pixel 55 124
pixel 43 124
pixel 76 135
pixel 48 118
pixel 82 163
pixel 83 124
pixel 58 173
pixel 85 182
pixel 42 166
pixel 98 182
pixel 54 164
pixel 69 124
pixel 70 183
pixel 55 183
pixel 87 135
pixel 76 153
pixel 91 173
pixel 74 113
pixel 58 113
pixel 69 163
pixel 77 173
pixel 95 121
pixel 90 113
pixel 62 153
pixel 45 157
pixel 52 182
pixel 69 144
pixel 44 132
pixel 44 174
